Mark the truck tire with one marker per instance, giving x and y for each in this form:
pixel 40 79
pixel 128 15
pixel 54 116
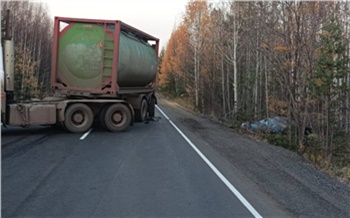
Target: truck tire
pixel 78 118
pixel 117 117
pixel 141 114
pixel 102 116
pixel 151 107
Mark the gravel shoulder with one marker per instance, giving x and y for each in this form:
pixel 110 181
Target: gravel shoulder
pixel 267 175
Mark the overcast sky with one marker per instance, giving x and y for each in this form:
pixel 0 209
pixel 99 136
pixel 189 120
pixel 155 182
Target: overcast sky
pixel 155 17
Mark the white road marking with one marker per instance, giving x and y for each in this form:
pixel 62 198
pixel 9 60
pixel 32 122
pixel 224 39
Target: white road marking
pixel 215 170
pixel 85 134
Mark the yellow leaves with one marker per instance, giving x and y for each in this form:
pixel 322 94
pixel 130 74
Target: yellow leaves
pixel 275 48
pixel 334 56
pixel 175 54
pixel 325 34
pixel 264 45
pixel 318 82
pixel 281 48
pixel 195 6
pixel 26 85
pixel 317 52
pixel 24 62
pixel 278 107
pixel 196 18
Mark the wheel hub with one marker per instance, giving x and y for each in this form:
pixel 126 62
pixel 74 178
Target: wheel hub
pixel 78 118
pixel 117 117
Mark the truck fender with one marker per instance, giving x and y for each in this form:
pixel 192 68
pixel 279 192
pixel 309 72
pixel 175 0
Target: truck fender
pixel 135 101
pixel 61 108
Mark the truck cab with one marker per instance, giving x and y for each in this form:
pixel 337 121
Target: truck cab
pixel 6 65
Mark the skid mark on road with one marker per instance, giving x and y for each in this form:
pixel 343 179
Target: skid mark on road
pixel 18 149
pixel 214 169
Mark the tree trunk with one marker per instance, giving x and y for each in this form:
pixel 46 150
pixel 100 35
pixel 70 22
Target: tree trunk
pixel 235 89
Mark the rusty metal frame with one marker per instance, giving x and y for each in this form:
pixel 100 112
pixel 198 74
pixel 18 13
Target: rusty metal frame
pixel 119 26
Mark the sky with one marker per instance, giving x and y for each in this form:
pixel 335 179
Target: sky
pixel 155 17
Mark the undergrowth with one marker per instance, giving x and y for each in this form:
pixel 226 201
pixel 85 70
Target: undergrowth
pixel 338 164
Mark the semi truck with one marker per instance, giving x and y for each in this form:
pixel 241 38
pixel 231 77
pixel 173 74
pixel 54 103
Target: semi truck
pixel 101 71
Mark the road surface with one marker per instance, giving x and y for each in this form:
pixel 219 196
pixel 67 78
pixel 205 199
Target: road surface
pixel 181 165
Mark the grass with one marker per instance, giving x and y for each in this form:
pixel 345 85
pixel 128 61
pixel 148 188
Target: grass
pixel 338 166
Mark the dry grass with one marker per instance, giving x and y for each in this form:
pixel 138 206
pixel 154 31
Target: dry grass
pixel 341 173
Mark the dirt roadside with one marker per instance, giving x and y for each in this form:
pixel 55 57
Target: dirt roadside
pixel 281 175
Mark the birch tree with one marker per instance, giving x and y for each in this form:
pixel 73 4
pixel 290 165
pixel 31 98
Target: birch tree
pixel 264 59
pixel 196 17
pixel 32 33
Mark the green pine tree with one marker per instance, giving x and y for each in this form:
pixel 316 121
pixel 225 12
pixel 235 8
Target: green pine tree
pixel 328 83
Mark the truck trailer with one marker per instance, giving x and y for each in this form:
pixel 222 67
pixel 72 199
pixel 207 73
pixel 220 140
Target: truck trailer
pixel 101 70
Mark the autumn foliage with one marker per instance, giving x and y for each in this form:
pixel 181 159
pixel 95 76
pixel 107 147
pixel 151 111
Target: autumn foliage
pixel 244 61
pixel 31 28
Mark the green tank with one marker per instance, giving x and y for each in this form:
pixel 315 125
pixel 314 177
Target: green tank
pixel 86 55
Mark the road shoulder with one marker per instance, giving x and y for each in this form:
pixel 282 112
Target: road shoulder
pixel 277 182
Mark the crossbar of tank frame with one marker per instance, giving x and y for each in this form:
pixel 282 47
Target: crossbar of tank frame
pixel 140 33
pixel 127 26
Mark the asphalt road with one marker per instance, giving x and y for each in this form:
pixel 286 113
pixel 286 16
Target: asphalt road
pixel 151 170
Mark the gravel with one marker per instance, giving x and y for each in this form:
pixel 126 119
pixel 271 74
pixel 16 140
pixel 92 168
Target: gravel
pixel 281 174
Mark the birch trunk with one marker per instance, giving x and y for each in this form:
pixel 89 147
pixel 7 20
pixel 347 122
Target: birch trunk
pixel 235 42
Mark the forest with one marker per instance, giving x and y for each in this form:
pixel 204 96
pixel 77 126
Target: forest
pixel 245 61
pixel 236 62
pixel 31 28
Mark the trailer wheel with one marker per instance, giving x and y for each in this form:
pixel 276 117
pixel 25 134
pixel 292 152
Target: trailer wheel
pixel 117 117
pixel 78 118
pixel 141 114
pixel 151 107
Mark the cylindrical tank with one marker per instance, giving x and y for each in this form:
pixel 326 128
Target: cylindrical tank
pixel 85 57
pixel 137 62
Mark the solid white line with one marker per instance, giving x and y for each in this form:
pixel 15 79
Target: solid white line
pixel 216 171
pixel 85 135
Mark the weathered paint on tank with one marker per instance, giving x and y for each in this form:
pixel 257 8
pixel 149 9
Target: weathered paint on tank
pixel 137 62
pixel 85 57
pixel 80 55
